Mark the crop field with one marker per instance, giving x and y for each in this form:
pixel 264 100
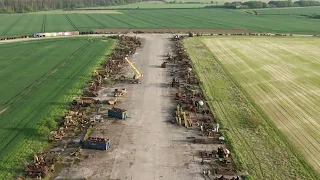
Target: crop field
pixel 290 11
pixel 265 91
pixel 27 24
pixel 106 11
pixel 37 81
pixel 155 5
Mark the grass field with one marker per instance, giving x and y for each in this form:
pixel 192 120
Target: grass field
pixel 37 81
pixel 260 85
pixel 290 11
pixel 156 5
pixel 78 12
pixel 27 24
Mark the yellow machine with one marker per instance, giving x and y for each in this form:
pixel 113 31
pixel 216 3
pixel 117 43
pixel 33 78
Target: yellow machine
pixel 112 101
pixel 181 115
pixel 138 75
pixel 118 94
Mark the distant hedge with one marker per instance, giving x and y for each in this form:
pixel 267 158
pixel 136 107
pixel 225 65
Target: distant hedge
pixel 20 6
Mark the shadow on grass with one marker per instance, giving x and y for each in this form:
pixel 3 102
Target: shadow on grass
pixel 28 133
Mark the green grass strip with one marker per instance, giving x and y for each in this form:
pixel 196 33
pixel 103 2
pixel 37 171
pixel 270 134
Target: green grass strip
pixel 38 111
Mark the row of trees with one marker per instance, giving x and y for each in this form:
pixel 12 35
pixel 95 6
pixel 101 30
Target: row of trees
pixel 10 6
pixel 271 4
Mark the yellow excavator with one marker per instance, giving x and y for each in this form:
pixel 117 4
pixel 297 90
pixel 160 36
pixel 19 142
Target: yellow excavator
pixel 138 75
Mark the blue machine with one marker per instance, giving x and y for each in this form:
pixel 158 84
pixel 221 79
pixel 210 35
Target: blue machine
pixel 96 143
pixel 118 113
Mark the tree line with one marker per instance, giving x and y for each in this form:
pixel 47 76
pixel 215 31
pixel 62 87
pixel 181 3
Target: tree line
pixel 271 4
pixel 12 6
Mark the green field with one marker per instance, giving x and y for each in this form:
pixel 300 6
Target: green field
pixel 144 5
pixel 265 92
pixel 37 81
pixel 27 24
pixel 290 11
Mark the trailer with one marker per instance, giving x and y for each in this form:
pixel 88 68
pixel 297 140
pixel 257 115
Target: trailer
pixel 96 143
pixel 118 113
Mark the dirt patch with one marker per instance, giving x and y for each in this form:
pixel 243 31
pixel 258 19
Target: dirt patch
pixel 210 31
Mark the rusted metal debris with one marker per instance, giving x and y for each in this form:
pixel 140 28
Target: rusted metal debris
pixel 190 100
pixel 75 120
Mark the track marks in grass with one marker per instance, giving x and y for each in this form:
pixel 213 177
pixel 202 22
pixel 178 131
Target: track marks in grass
pixel 245 120
pixel 73 25
pixel 12 25
pixel 43 29
pixel 118 19
pixel 41 104
pixel 37 83
pixel 32 48
pixel 220 108
pixel 165 19
pixel 279 95
pixel 292 105
pixel 93 19
pixel 63 78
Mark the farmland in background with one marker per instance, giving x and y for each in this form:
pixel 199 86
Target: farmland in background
pixel 38 80
pixel 290 11
pixel 103 11
pixel 26 24
pixel 155 5
pixel 168 4
pixel 257 86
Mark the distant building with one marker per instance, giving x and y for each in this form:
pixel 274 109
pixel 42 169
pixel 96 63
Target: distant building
pixel 53 34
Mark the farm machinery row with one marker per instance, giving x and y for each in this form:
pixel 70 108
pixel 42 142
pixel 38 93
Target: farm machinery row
pixel 82 115
pixel 192 112
pixel 111 68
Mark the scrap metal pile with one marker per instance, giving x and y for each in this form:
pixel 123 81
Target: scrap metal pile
pixel 111 68
pixel 75 121
pixel 42 164
pixel 192 111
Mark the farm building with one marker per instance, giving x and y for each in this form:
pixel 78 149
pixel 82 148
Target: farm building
pixel 52 34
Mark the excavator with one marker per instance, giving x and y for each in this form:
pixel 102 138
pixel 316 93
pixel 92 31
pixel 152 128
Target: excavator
pixel 138 75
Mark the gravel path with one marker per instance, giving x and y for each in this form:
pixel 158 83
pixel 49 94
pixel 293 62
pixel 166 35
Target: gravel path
pixel 146 146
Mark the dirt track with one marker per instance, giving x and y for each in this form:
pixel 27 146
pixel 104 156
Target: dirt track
pixel 145 146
